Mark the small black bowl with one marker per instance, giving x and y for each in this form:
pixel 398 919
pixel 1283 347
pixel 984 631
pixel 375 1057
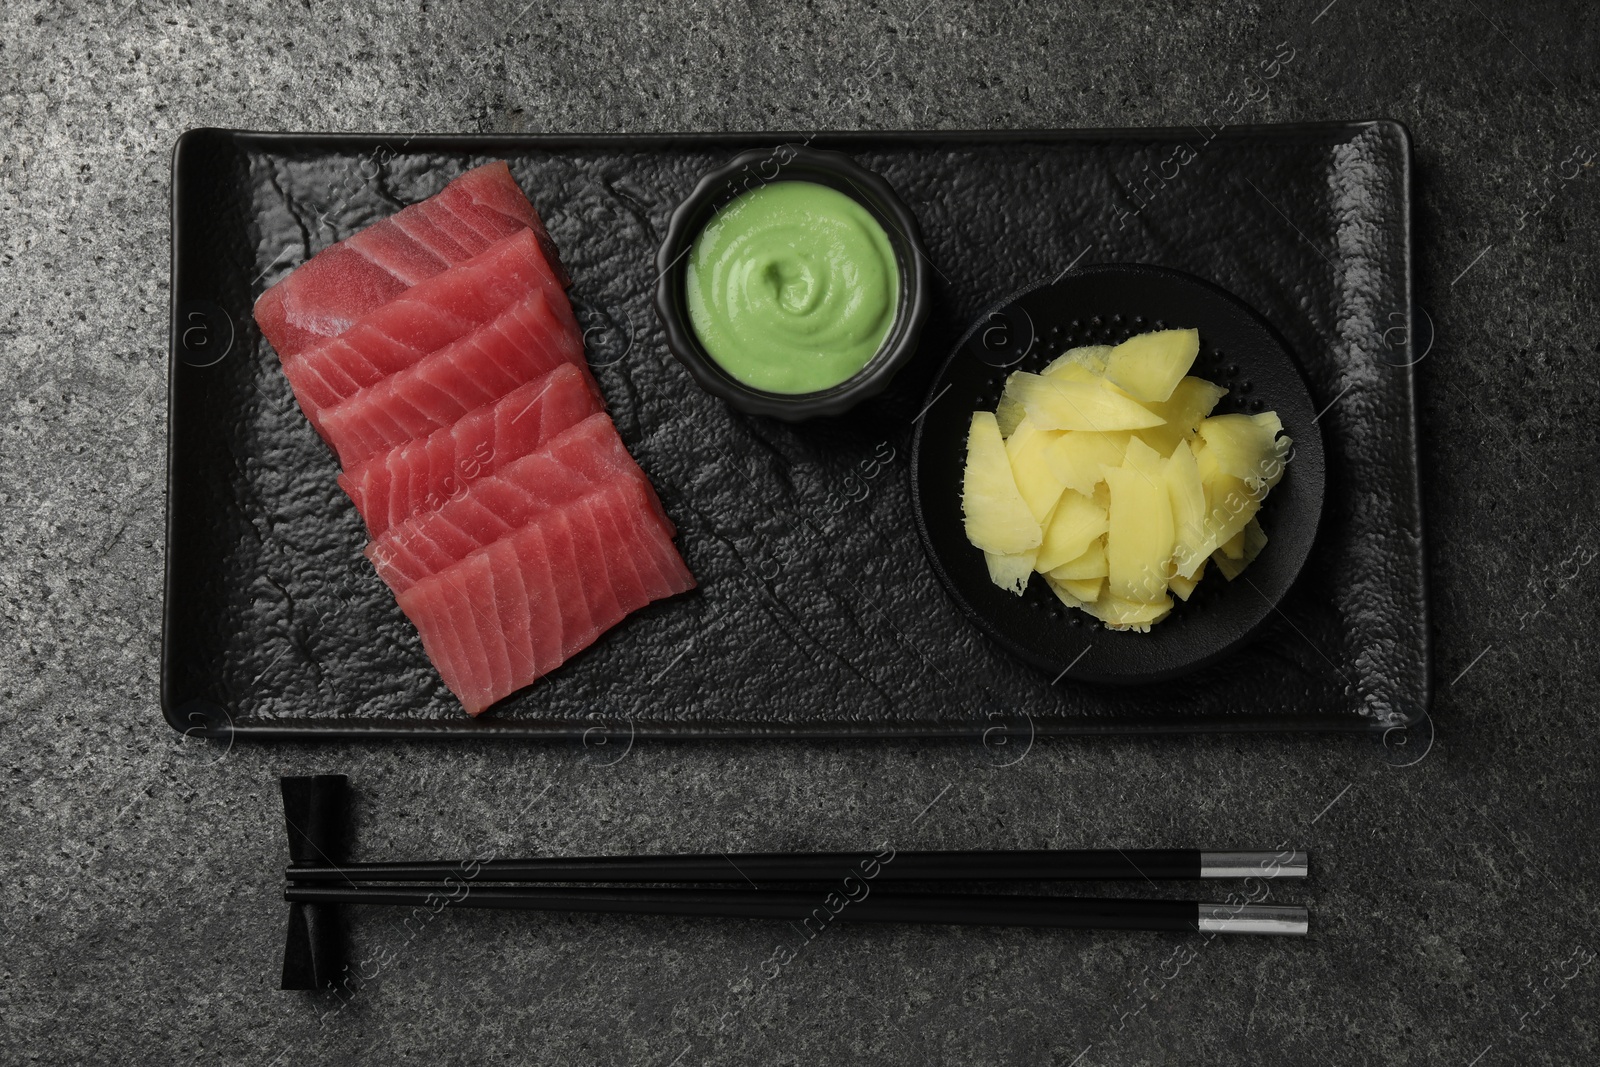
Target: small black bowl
pixel 751 170
pixel 1106 305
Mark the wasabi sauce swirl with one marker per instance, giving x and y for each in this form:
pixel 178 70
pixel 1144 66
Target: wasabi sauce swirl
pixel 792 287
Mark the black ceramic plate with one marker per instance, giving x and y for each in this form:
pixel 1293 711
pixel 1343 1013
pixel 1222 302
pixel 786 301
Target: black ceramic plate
pixel 817 614
pixel 1106 305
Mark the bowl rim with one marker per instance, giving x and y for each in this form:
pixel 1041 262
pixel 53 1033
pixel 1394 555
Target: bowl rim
pixel 722 185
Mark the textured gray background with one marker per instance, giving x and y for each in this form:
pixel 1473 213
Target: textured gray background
pixel 1454 900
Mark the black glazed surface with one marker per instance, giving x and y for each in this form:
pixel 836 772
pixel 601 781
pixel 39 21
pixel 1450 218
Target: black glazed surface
pixel 1106 305
pixel 817 613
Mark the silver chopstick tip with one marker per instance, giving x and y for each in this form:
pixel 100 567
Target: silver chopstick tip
pixel 1281 919
pixel 1282 864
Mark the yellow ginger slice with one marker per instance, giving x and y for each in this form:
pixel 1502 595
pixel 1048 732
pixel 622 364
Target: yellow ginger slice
pixel 1139 537
pixel 1151 365
pixel 1119 614
pixel 1078 521
pixel 1011 573
pixel 1187 495
pixel 1061 404
pixel 1252 539
pixel 998 520
pixel 1036 479
pixel 1092 564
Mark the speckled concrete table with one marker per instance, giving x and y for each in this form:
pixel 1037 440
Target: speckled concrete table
pixel 1454 893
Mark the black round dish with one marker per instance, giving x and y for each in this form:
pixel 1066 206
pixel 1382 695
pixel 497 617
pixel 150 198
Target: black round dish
pixel 750 170
pixel 1106 305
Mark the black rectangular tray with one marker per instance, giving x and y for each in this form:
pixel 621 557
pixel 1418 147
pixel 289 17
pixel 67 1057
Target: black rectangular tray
pixel 817 614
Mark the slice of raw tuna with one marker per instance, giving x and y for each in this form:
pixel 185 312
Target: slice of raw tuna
pixel 528 341
pixel 437 353
pixel 424 474
pixel 574 464
pixel 426 317
pixel 330 292
pixel 512 612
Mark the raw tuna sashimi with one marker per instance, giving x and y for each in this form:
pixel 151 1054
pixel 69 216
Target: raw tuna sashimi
pixel 327 294
pixel 437 353
pixel 587 457
pixel 422 475
pixel 527 342
pixel 440 311
pixel 507 615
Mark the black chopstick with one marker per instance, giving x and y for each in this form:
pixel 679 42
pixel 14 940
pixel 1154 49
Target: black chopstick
pixel 760 867
pixel 815 910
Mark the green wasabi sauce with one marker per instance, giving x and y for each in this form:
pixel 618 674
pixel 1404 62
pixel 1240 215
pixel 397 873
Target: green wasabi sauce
pixel 792 287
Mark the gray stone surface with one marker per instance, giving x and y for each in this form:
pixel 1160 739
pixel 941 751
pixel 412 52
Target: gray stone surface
pixel 1454 897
